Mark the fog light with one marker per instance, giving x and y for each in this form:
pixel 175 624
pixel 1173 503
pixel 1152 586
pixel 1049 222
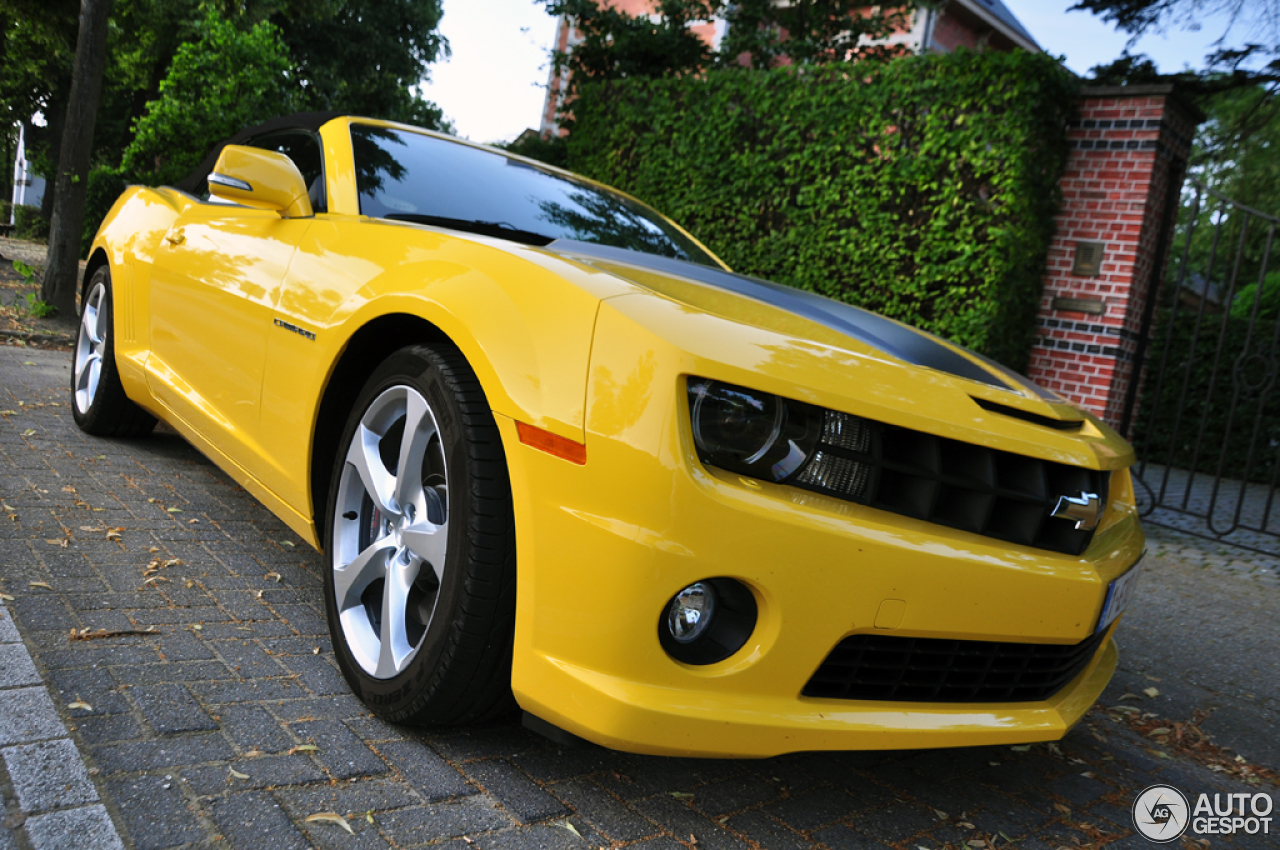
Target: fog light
pixel 691 611
pixel 708 621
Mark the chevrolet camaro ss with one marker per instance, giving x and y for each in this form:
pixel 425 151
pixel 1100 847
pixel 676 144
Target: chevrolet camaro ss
pixel 557 455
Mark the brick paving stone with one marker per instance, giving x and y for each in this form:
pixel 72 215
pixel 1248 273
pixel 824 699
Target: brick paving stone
pixel 262 772
pixel 171 709
pixel 255 819
pixel 149 755
pixel 341 752
pixel 520 795
pixel 420 824
pixel 48 775
pixel 842 837
pixel 767 832
pixel 16 668
pixel 810 811
pixel 603 811
pixel 26 715
pixel 107 729
pixel 539 837
pixel 156 814
pixel 428 774
pixel 317 673
pixel 683 822
pixel 549 763
pixel 86 828
pixel 734 794
pixel 252 727
pixel 8 631
pixel 894 823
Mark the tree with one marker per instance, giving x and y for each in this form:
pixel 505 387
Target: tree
pixel 61 266
pixel 226 80
pixel 761 34
pixel 1252 34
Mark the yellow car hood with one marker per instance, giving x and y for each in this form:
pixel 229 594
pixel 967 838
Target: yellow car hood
pixel 784 309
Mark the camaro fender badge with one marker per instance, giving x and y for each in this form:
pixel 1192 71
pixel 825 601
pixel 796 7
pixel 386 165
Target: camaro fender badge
pixel 280 323
pixel 1085 509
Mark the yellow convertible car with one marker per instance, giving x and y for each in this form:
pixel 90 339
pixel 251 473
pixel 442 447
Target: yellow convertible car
pixel 555 452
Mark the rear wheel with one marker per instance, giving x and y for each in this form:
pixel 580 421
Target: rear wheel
pixel 98 402
pixel 420 591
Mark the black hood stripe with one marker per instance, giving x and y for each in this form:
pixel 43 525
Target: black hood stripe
pixel 894 338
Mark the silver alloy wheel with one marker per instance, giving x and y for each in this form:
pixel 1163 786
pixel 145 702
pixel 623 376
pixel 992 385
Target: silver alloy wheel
pixel 391 532
pixel 90 346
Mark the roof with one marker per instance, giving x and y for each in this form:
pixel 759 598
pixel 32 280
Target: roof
pixel 1000 15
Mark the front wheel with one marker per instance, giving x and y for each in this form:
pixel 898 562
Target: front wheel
pixel 98 402
pixel 420 591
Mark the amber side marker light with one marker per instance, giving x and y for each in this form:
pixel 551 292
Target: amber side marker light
pixel 552 444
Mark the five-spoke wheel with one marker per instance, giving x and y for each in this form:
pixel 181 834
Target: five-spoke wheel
pixel 420 544
pixel 98 401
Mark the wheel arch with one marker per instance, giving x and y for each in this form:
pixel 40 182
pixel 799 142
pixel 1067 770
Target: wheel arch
pixel 373 343
pixel 97 260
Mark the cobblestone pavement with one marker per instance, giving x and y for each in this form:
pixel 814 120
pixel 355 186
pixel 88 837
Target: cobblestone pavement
pixel 228 725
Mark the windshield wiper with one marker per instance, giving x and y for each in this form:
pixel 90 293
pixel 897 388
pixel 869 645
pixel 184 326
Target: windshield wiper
pixel 499 229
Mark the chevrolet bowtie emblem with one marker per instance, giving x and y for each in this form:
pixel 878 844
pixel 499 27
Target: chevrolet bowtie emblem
pixel 1085 509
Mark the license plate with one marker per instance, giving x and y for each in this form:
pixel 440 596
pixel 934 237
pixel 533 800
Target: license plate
pixel 1119 594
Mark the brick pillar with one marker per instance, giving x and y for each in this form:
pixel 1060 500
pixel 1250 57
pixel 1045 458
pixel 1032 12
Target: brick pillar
pixel 1120 192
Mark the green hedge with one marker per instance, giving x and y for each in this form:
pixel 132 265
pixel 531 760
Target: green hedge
pixel 1205 393
pixel 923 188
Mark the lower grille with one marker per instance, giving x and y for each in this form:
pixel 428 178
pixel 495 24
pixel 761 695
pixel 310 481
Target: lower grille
pixel 878 667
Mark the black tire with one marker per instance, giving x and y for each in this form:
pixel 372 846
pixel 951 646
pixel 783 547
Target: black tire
pixel 456 592
pixel 98 402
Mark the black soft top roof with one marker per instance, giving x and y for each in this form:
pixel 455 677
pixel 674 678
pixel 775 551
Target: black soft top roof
pixel 194 183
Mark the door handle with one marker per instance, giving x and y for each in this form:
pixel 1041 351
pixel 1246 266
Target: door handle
pixel 175 238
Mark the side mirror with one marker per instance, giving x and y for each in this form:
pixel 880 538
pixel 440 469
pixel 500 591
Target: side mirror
pixel 262 179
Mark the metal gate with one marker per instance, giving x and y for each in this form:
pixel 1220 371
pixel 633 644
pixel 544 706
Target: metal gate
pixel 1207 430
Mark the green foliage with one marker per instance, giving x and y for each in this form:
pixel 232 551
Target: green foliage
pixel 30 224
pixel 923 188
pixel 224 81
pixel 104 186
pixel 38 308
pixel 552 151
pixel 28 272
pixel 1216 376
pixel 617 46
pixel 1242 305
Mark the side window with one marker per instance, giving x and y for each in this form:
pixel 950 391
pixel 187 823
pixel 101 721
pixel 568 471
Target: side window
pixel 304 149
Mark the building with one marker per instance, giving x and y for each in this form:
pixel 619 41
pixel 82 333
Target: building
pixel 975 24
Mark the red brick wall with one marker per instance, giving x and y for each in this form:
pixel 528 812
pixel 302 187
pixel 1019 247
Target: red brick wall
pixel 1129 150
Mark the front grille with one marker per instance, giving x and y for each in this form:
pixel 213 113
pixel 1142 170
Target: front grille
pixel 974 488
pixel 878 667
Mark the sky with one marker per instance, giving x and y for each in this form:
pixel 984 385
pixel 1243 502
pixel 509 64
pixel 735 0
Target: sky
pixel 492 87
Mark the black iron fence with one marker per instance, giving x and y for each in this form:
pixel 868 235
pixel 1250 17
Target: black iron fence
pixel 1207 431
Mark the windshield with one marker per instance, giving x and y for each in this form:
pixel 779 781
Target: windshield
pixel 412 177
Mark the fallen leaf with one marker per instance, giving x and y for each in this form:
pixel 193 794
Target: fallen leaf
pixel 28 432
pixel 315 650
pixel 79 703
pixel 43 584
pixel 28 363
pixel 967 825
pixel 173 510
pixel 681 795
pixel 304 748
pixel 564 824
pixel 941 814
pixel 1156 733
pixel 369 816
pixel 977 842
pixel 330 817
pixel 237 774
pixel 288 543
pixel 154 579
pixel 273 576
pixel 1062 808
pixel 6 597
pixel 1151 692
pixel 197 627
pixel 1022 748
pixel 8 413
pixel 1088 774
pixel 114 533
pixel 93 528
pixel 1130 696
pixel 172 562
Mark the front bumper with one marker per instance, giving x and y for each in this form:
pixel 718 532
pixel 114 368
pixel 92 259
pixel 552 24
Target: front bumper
pixel 604 546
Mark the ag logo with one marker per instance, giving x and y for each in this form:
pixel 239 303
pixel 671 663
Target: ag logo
pixel 1161 813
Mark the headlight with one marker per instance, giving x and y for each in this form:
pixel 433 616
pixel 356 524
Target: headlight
pixel 750 432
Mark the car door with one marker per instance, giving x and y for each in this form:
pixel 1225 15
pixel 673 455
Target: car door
pixel 215 285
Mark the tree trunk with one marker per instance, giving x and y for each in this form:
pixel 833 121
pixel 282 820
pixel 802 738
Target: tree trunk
pixel 62 265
